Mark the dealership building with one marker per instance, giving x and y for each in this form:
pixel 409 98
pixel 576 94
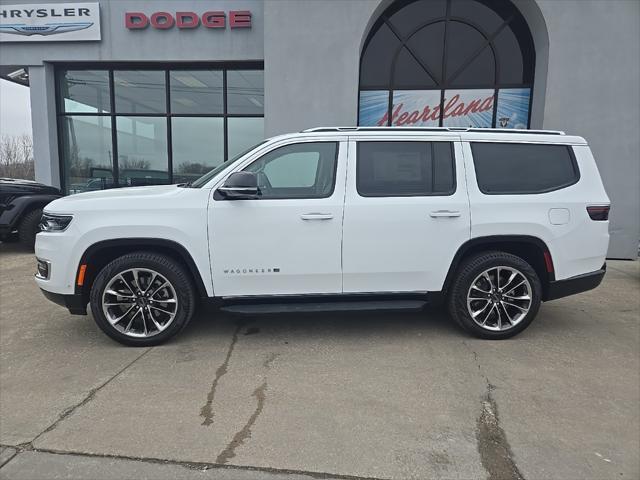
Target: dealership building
pixel 135 92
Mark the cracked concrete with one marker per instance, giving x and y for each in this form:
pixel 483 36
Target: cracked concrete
pixel 207 410
pixel 322 396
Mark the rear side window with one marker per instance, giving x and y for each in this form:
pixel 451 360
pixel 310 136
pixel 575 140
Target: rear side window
pixel 518 168
pixel 402 169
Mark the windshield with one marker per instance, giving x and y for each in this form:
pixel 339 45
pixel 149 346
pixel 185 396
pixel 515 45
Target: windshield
pixel 216 170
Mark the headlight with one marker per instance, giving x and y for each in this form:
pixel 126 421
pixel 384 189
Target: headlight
pixel 54 223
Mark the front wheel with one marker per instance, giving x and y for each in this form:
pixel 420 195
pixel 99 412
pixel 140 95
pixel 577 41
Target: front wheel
pixel 495 295
pixel 142 299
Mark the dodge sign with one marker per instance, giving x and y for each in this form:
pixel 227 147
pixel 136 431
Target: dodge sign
pixel 50 22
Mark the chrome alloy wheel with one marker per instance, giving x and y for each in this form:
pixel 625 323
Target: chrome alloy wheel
pixel 499 298
pixel 139 302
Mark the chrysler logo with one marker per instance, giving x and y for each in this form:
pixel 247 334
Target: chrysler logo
pixel 46 29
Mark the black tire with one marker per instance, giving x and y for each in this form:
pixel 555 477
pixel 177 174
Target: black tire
pixel 172 271
pixel 470 269
pixel 28 227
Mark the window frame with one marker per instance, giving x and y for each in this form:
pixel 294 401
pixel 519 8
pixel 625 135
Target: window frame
pixel 572 157
pixel 447 83
pixel 315 197
pixel 166 68
pixel 454 171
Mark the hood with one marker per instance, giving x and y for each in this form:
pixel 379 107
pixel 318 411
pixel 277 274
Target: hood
pixel 18 187
pixel 127 197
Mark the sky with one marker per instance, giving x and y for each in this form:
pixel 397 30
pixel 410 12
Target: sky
pixel 15 109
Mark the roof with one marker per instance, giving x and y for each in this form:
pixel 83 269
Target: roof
pixel 431 129
pixel 463 134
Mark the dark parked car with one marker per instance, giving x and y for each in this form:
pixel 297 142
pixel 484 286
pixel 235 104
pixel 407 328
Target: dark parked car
pixel 21 204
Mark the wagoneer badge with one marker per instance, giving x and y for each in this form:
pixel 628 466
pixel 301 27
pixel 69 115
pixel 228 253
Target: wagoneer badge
pixel 250 271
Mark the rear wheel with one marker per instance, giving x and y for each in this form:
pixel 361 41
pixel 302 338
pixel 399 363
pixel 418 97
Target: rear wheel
pixel 495 295
pixel 142 299
pixel 28 228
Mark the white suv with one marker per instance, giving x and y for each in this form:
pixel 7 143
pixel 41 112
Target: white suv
pixel 492 221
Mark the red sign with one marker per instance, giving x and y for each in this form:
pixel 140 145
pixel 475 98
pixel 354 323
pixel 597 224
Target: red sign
pixel 186 20
pixel 453 107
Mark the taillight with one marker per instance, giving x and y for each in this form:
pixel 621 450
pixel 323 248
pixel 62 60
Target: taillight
pixel 598 212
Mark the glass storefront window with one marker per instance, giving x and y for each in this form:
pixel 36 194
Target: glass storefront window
pixel 87 149
pixel 471 62
pixel 374 108
pixel 513 107
pixel 198 146
pixel 245 92
pixel 154 125
pixel 415 108
pixel 468 108
pixel 196 91
pixel 85 91
pixel 142 150
pixel 244 132
pixel 140 91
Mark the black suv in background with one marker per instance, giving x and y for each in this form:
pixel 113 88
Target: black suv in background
pixel 21 204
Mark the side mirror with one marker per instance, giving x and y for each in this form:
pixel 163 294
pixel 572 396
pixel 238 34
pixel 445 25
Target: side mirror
pixel 240 186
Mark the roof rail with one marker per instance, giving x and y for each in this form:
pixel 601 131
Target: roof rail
pixel 431 129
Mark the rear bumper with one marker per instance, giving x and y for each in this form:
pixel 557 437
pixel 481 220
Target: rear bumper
pixel 76 304
pixel 573 285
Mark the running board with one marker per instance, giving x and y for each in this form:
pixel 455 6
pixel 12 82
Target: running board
pixel 344 306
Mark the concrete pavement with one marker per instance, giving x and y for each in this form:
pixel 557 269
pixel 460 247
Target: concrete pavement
pixel 331 396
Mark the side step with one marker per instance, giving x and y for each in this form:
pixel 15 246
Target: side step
pixel 344 306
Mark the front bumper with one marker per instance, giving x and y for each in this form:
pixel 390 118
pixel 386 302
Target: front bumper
pixel 75 303
pixel 573 285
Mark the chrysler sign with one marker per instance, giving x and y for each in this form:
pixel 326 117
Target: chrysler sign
pixel 50 22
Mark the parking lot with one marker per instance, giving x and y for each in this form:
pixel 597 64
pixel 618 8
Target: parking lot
pixel 322 396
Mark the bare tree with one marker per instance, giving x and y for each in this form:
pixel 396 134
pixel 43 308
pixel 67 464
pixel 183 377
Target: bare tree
pixel 16 157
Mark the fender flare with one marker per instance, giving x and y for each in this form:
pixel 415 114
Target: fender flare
pixel 496 239
pixel 19 205
pixel 140 243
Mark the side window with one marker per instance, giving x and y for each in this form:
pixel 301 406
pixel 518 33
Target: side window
pixel 401 169
pixel 301 170
pixel 519 168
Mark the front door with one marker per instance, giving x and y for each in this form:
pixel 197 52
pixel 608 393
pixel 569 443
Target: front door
pixel 288 241
pixel 406 213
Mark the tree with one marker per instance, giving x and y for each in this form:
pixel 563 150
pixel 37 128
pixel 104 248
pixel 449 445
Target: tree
pixel 16 157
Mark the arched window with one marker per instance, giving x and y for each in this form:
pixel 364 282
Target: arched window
pixel 452 63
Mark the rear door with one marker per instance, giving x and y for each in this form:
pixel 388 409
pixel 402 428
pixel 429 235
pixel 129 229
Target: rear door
pixel 406 213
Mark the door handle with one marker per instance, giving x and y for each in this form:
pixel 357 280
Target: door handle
pixel 316 216
pixel 444 213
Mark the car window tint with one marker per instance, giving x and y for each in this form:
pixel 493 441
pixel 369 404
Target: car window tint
pixel 389 169
pixel 512 168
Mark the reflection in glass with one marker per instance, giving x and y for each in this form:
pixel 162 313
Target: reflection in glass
pixel 87 155
pixel 142 150
pixel 245 91
pixel 196 91
pixel 198 146
pixel 377 58
pixel 139 91
pixel 242 133
pixel 85 91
